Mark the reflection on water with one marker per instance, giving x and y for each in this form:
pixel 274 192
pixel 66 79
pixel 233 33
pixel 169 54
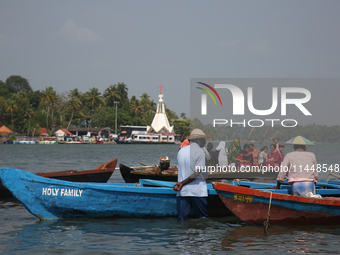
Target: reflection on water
pixel 291 239
pixel 22 233
pixel 166 236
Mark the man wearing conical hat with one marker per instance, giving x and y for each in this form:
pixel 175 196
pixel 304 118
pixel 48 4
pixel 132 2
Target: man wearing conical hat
pixel 302 171
pixel 191 187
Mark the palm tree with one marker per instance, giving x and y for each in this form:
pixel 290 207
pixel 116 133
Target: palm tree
pixel 147 106
pixel 93 97
pixel 123 92
pixel 33 132
pixel 11 106
pixel 135 107
pixel 85 115
pixel 48 96
pixel 2 104
pixel 29 113
pixel 75 93
pixel 75 104
pixel 111 94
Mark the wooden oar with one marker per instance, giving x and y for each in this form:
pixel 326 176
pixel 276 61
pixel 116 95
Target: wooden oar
pixel 134 167
pixel 157 183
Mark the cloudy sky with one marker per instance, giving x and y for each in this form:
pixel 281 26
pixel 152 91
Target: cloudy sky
pixel 85 44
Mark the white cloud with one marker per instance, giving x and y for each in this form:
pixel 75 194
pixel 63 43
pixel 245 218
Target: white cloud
pixel 72 32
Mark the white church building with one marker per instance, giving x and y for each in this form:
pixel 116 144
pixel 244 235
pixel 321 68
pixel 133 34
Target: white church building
pixel 160 130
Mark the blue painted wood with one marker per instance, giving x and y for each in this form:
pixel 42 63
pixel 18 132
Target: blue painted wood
pixel 50 199
pixel 321 188
pixel 332 190
pixel 336 182
pixel 156 183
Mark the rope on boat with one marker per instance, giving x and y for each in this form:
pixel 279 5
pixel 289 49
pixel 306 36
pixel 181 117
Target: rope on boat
pixel 266 223
pixel 331 178
pixel 238 181
pixel 335 175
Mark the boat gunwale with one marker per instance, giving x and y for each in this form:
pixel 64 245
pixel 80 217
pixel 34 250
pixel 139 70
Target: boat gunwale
pixel 224 187
pixel 110 187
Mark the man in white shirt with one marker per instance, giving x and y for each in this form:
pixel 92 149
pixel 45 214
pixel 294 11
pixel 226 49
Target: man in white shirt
pixel 191 186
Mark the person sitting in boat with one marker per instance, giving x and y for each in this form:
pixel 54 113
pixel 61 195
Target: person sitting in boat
pixel 281 148
pixel 222 154
pixel 241 162
pixel 302 171
pixel 239 159
pixel 273 158
pixel 256 153
pixel 191 187
pixel 263 155
pixel 248 156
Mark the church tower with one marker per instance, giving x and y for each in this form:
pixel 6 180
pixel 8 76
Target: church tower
pixel 160 123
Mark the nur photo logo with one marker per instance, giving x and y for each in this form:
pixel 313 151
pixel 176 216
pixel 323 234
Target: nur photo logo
pixel 204 97
pixel 242 103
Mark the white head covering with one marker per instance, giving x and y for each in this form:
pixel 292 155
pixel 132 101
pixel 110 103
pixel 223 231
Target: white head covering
pixel 223 155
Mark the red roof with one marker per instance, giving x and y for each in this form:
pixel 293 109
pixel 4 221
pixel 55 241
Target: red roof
pixel 66 131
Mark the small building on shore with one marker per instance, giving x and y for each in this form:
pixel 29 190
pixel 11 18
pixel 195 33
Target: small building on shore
pixel 62 132
pixel 89 131
pixel 5 131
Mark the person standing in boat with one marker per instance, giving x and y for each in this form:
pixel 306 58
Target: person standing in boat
pixel 256 153
pixel 248 156
pixel 302 171
pixel 213 157
pixel 281 148
pixel 185 143
pixel 263 155
pixel 191 187
pixel 273 158
pixel 222 154
pixel 276 143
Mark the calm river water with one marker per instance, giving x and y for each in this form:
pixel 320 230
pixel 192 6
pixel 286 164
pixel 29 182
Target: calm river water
pixel 22 233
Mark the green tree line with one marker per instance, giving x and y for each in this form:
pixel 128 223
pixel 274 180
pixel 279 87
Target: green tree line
pixel 26 111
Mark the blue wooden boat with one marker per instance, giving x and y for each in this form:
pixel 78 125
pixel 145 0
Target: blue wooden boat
pixel 253 204
pixel 51 199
